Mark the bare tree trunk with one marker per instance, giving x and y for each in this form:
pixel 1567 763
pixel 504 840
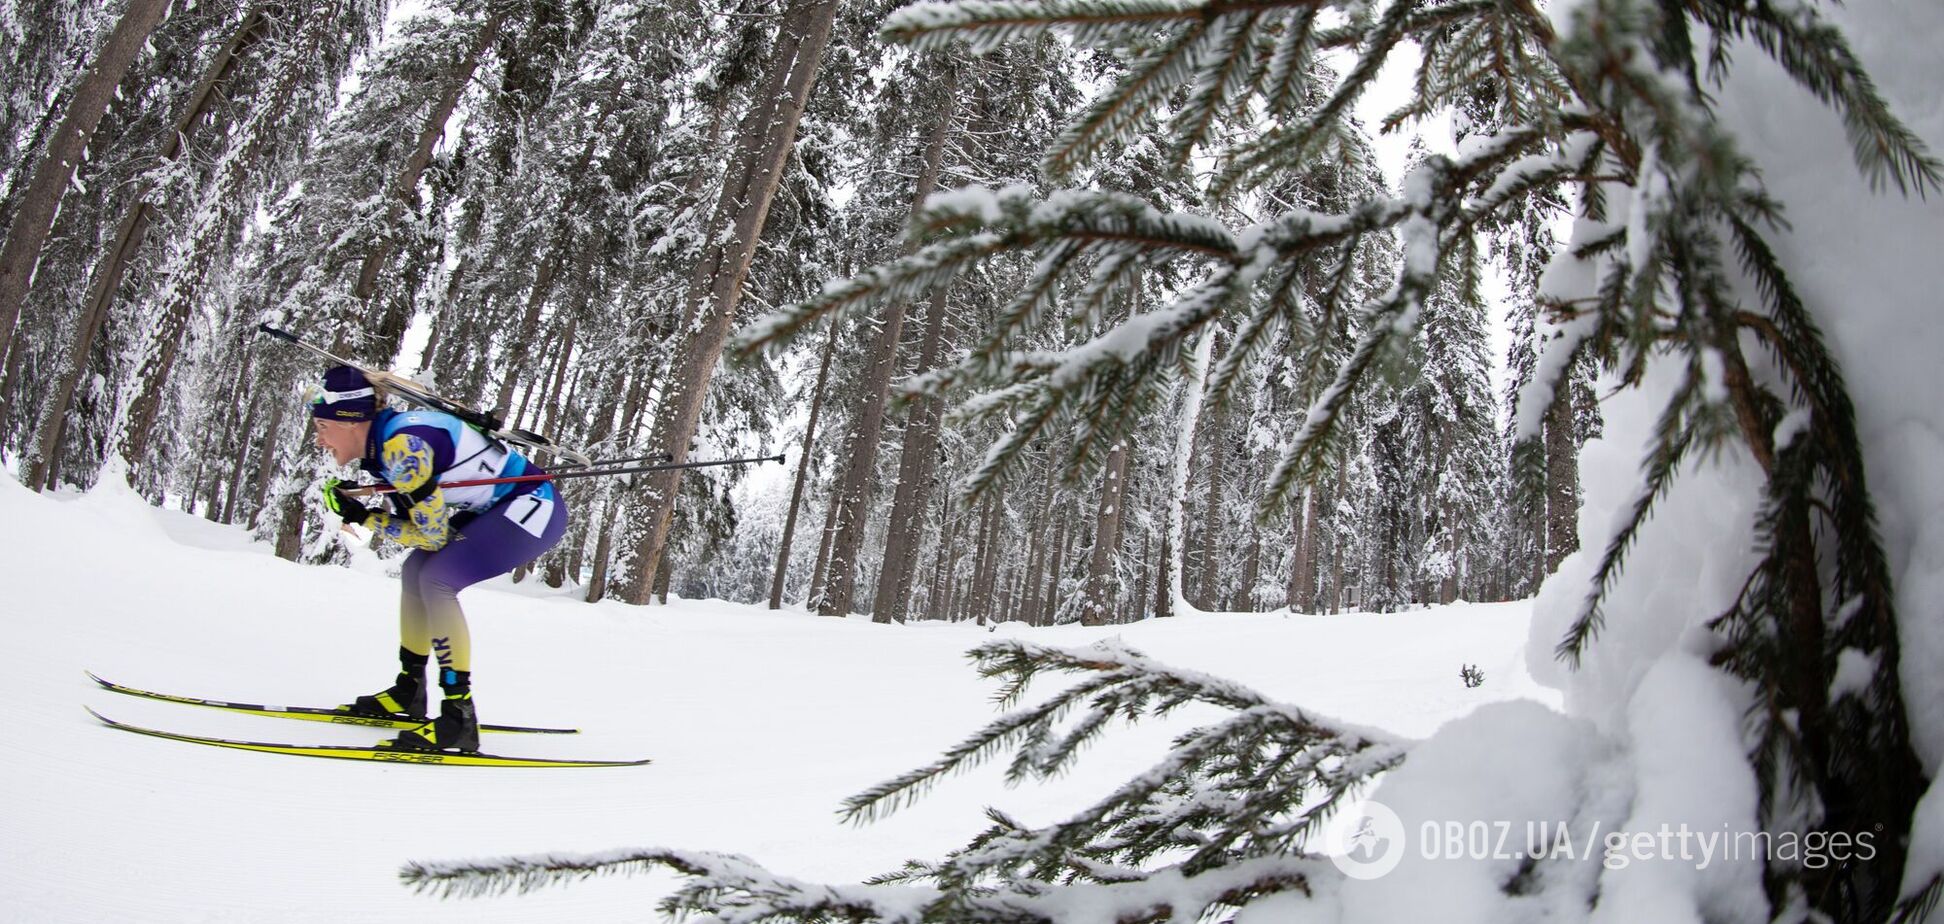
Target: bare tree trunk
pixel 1303 568
pixel 944 563
pixel 557 400
pixel 405 188
pixel 818 572
pixel 267 458
pixel 854 494
pixel 1208 594
pixel 1335 596
pixel 1244 599
pixel 1051 606
pixel 803 473
pixel 1102 567
pixel 917 463
pixel 27 234
pixel 1039 528
pixel 614 499
pixel 1562 481
pixel 979 601
pixel 9 373
pixel 1164 580
pixel 241 456
pixel 603 551
pixel 1035 566
pixel 763 146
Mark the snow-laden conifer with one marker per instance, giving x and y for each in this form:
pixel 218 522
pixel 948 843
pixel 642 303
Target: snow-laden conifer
pixel 1611 96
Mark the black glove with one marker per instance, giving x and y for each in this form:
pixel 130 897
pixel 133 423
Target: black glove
pixel 348 508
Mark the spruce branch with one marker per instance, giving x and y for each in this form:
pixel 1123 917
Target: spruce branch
pixel 1116 682
pixel 1227 66
pixel 1916 907
pixel 727 887
pixel 1285 302
pixel 1289 64
pixel 1294 144
pixel 1673 436
pixel 1817 55
pixel 1114 115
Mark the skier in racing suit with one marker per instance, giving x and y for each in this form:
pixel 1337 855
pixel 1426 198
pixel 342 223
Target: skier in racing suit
pixel 459 537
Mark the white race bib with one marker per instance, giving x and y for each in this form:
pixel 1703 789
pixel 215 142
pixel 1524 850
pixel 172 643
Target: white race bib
pixel 531 512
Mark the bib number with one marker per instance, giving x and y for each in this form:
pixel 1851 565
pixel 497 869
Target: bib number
pixel 531 512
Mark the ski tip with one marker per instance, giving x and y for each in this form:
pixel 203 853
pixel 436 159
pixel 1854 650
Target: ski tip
pixel 97 678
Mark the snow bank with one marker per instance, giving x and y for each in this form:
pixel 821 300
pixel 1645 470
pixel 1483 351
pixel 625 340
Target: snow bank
pixel 1862 261
pixel 1503 776
pixel 759 723
pixel 1866 263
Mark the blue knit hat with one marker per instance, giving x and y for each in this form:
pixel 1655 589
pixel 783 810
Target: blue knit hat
pixel 347 395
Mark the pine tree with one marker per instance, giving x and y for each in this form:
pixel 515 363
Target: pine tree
pixel 1616 105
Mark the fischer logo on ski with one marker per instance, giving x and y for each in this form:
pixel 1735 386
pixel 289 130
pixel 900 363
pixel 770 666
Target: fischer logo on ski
pixel 374 754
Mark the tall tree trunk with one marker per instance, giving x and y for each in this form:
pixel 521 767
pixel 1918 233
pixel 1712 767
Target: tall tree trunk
pixel 404 191
pixel 267 457
pixel 1040 527
pixel 1208 594
pixel 818 572
pixel 979 601
pixel 603 551
pixel 803 472
pixel 27 234
pixel 1335 597
pixel 1102 567
pixel 763 145
pixel 1562 480
pixel 854 495
pixel 1050 605
pixel 1302 562
pixel 917 464
pixel 130 232
pixel 1164 578
pixel 557 400
pixel 945 561
pixel 1035 567
pixel 1244 599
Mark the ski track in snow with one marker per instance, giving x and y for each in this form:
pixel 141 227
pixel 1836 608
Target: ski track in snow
pixel 759 724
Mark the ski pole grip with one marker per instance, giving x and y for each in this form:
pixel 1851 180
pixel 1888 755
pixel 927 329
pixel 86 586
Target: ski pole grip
pixel 283 335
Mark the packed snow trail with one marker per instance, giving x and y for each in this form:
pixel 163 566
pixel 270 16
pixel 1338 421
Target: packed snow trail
pixel 759 723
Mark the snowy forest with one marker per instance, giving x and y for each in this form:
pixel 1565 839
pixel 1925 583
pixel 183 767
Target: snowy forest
pixel 564 211
pixel 1064 312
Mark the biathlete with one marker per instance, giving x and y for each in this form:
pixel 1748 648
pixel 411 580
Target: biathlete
pixel 459 537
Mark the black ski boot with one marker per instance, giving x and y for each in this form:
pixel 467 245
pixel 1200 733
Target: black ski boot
pixel 456 729
pixel 404 699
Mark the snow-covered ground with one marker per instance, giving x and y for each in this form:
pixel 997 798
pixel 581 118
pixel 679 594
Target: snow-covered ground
pixel 759 724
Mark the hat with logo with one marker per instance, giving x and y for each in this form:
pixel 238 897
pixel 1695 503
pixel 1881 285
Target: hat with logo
pixel 346 395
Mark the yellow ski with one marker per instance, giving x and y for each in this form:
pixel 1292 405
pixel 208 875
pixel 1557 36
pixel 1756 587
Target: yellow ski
pixel 308 713
pixel 379 754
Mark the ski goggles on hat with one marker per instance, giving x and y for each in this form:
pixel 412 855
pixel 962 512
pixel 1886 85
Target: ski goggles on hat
pixel 318 394
pixel 354 405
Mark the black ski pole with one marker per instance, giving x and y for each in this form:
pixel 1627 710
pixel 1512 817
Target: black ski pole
pixel 577 473
pixel 657 457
